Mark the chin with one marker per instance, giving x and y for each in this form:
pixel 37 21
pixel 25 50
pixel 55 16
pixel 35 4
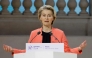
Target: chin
pixel 46 24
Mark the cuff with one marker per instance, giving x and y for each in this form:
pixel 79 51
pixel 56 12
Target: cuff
pixel 76 50
pixel 80 51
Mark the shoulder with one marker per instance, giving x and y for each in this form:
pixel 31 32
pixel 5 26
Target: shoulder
pixel 58 30
pixel 36 30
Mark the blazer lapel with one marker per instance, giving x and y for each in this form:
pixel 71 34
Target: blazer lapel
pixel 53 39
pixel 54 36
pixel 40 36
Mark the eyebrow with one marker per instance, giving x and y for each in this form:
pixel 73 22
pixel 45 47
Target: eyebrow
pixel 48 14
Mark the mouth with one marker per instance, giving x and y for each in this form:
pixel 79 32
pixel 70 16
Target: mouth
pixel 46 21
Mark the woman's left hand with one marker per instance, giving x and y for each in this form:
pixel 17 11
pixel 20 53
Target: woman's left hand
pixel 82 45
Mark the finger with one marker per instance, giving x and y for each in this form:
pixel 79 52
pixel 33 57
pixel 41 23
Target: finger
pixel 85 41
pixel 6 48
pixel 9 49
pixel 84 45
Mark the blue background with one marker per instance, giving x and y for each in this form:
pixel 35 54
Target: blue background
pixel 32 9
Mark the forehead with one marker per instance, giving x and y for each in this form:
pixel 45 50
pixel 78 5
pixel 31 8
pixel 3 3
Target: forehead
pixel 46 11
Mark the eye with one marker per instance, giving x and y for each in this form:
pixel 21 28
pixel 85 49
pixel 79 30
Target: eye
pixel 49 15
pixel 44 15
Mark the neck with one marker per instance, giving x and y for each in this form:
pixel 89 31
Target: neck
pixel 46 28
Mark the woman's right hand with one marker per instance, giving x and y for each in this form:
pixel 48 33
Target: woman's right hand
pixel 7 48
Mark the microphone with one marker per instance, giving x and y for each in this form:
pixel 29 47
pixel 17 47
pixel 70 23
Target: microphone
pixel 35 36
pixel 54 37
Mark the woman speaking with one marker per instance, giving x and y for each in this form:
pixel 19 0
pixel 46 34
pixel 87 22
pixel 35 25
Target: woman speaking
pixel 47 33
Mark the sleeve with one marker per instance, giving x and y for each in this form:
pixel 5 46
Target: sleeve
pixel 66 46
pixel 15 51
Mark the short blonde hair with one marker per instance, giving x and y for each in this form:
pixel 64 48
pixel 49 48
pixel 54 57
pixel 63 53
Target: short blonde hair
pixel 48 7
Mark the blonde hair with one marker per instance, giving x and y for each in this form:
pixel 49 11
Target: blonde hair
pixel 48 7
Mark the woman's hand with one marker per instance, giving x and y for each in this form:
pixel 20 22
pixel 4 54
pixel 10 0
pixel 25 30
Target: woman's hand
pixel 82 45
pixel 7 48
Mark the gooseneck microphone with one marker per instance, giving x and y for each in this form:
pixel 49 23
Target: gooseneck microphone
pixel 54 37
pixel 35 36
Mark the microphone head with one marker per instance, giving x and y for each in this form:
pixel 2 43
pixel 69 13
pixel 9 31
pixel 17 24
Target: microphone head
pixel 38 32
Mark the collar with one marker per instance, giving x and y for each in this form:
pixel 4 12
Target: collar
pixel 51 30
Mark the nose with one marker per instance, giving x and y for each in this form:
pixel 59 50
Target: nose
pixel 46 17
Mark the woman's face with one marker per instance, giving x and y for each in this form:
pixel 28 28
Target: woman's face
pixel 46 17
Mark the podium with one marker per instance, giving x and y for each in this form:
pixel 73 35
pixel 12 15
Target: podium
pixel 45 51
pixel 45 54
